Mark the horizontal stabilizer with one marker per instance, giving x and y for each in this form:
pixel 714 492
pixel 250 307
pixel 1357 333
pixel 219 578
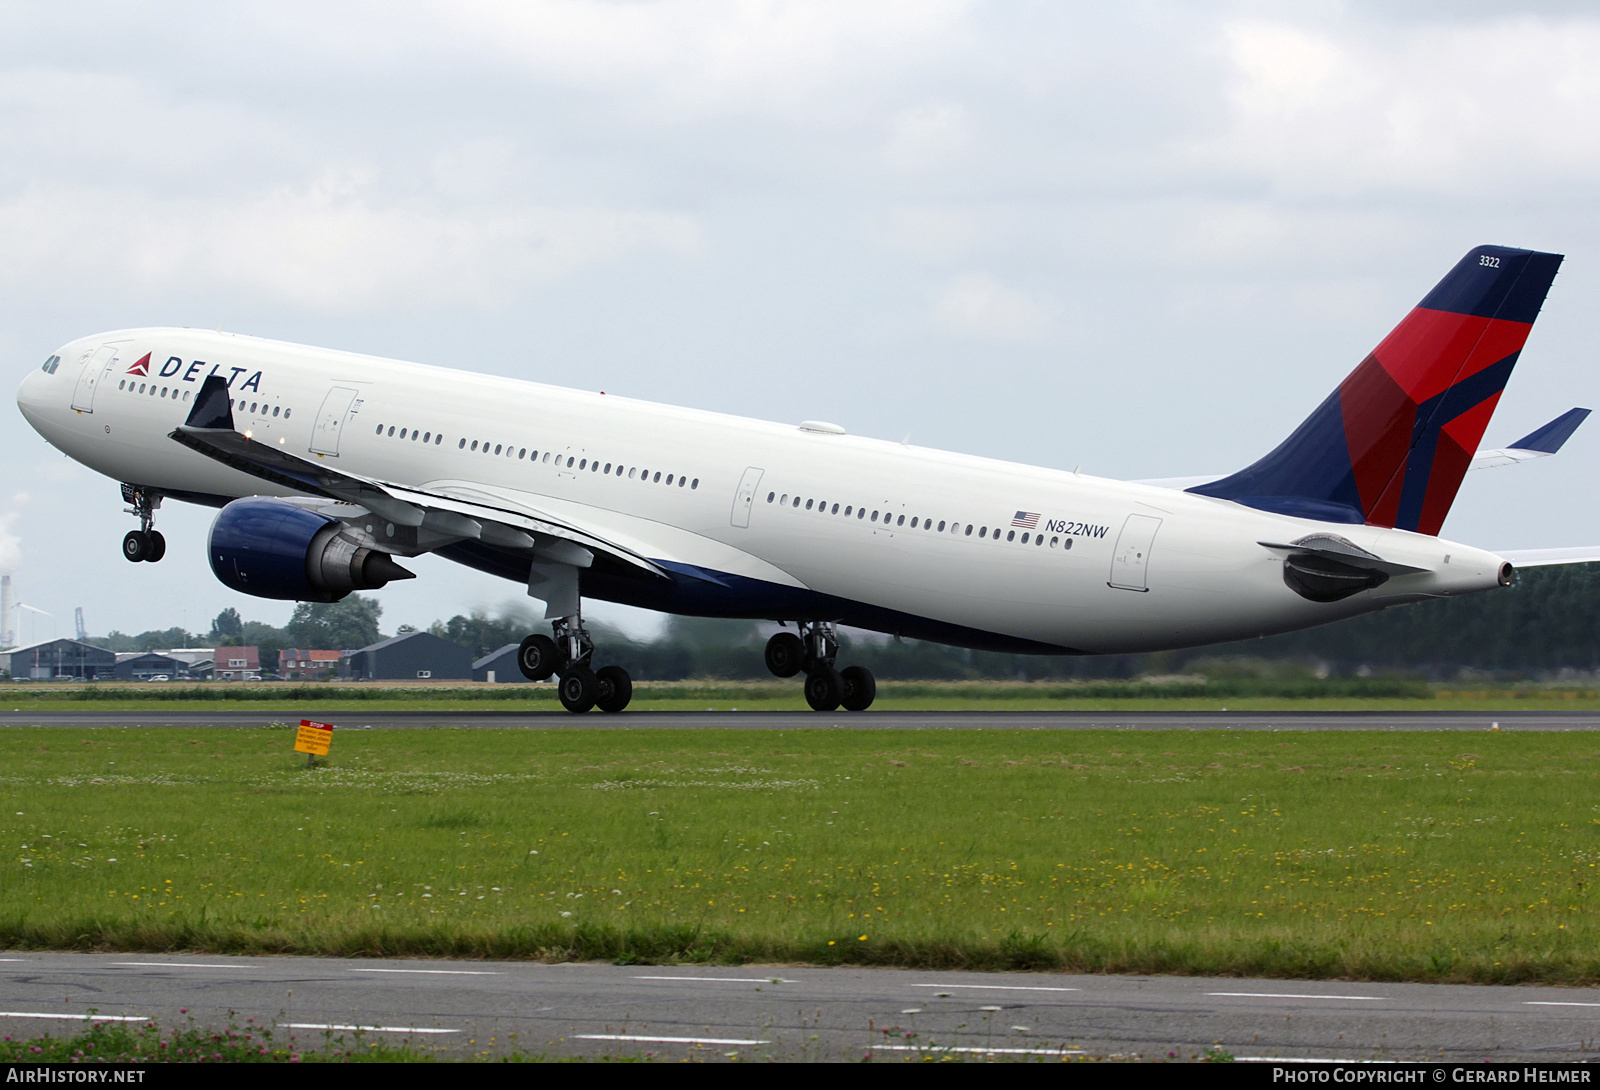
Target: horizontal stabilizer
pixel 1548 439
pixel 1545 558
pixel 1539 443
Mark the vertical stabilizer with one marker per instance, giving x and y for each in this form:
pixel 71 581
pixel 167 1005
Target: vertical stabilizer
pixel 1390 446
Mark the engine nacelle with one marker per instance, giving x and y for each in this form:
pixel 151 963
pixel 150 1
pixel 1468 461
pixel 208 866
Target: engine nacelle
pixel 273 549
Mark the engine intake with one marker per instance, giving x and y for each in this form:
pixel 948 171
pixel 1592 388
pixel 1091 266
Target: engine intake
pixel 273 549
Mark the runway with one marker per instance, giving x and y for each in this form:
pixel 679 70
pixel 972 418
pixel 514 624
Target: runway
pixel 424 718
pixel 787 1013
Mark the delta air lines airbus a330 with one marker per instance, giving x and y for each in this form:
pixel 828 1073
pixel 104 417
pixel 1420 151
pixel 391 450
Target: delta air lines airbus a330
pixel 329 467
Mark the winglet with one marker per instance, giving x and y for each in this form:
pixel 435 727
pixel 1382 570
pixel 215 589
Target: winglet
pixel 213 406
pixel 1548 439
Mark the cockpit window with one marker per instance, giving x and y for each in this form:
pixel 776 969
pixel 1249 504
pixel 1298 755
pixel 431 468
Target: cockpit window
pixel 51 364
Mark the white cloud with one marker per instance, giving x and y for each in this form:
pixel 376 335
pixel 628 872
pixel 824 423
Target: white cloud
pixel 978 305
pixel 930 232
pixel 329 247
pixel 928 136
pixel 711 56
pixel 95 128
pixel 10 543
pixel 1463 108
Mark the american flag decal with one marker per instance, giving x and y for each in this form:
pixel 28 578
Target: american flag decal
pixel 1026 520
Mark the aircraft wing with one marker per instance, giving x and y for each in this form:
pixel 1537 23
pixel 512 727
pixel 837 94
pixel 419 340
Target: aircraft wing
pixel 432 518
pixel 1539 443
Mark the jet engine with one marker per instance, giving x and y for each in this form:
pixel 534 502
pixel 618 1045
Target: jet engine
pixel 273 549
pixel 1328 568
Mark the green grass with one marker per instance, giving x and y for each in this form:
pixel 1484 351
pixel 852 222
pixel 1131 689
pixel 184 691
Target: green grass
pixel 145 1042
pixel 1415 856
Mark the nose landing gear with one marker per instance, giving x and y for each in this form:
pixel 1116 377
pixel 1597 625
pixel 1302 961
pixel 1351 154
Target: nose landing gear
pixel 143 543
pixel 814 651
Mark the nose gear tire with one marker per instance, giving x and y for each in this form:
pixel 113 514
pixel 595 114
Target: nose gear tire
pixel 136 546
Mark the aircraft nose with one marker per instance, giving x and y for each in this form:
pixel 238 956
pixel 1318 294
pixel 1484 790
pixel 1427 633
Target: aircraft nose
pixel 41 392
pixel 31 394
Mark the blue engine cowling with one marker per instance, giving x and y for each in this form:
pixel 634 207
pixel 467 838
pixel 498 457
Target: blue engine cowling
pixel 273 549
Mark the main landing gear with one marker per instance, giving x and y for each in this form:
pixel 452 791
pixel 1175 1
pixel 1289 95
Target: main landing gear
pixel 143 543
pixel 569 656
pixel 814 651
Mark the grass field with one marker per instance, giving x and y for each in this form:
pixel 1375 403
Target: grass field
pixel 1372 855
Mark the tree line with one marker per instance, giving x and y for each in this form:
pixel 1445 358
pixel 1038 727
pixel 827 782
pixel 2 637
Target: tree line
pixel 1547 621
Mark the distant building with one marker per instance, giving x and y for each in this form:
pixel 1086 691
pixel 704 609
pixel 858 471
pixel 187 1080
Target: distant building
pixel 416 656
pixel 142 666
pixel 499 666
pixel 300 663
pixel 198 660
pixel 236 663
pixel 60 658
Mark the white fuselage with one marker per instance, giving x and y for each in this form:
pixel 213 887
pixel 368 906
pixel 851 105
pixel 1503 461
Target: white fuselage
pixel 889 536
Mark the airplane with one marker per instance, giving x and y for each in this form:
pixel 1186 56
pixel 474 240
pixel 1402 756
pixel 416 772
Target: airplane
pixel 329 467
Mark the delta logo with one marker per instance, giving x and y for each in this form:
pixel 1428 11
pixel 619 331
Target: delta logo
pixel 193 372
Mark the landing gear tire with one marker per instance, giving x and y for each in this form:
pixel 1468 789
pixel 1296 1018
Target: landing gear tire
pixel 158 546
pixel 824 689
pixel 578 690
pixel 614 688
pixel 538 658
pixel 136 546
pixel 785 654
pixel 860 688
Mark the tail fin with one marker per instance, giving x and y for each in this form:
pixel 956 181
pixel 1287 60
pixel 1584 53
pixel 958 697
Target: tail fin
pixel 1389 447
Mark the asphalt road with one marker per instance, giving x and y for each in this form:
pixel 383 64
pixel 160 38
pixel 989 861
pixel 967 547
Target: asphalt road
pixel 779 1012
pixel 246 717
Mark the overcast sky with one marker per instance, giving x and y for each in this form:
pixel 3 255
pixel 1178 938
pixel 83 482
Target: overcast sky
pixel 1144 238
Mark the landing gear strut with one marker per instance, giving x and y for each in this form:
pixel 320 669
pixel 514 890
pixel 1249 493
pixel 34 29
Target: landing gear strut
pixel 569 655
pixel 143 543
pixel 814 650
